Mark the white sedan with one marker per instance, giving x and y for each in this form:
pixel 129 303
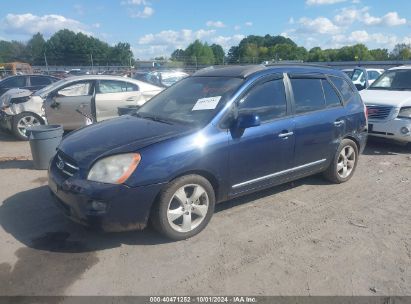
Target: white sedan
pixel 74 102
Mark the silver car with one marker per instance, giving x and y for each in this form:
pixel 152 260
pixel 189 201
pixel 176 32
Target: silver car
pixel 76 101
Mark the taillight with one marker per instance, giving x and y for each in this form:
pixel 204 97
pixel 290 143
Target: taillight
pixel 366 113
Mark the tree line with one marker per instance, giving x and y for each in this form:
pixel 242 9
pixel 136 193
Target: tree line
pixel 258 49
pixel 66 47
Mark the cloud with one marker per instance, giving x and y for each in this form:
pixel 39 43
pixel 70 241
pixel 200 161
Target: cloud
pixel 29 24
pixel 320 25
pixel 145 13
pixel 165 42
pixel 248 23
pixel 362 36
pixel 322 2
pixel 389 19
pixel 134 2
pixel 218 24
pixel 237 28
pixel 79 9
pixel 347 16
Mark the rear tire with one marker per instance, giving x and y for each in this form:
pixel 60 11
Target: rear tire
pixel 184 207
pixel 23 121
pixel 344 163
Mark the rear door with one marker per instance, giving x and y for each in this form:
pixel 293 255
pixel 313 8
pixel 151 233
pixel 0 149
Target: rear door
pixel 112 94
pixel 70 104
pixel 320 120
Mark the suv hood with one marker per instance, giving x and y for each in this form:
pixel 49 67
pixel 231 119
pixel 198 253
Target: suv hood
pixel 119 135
pixel 386 97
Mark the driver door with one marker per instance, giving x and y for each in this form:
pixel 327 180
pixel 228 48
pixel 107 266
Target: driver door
pixel 70 104
pixel 260 155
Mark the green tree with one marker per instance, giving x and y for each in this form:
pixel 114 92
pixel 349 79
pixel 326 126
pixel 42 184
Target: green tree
pixel 36 47
pixel 401 52
pixel 379 54
pixel 218 53
pixel 178 55
pixel 199 53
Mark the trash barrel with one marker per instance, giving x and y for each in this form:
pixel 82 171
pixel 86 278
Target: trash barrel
pixel 126 110
pixel 44 140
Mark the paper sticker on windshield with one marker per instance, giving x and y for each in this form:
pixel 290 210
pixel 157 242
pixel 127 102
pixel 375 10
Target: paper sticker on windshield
pixel 208 103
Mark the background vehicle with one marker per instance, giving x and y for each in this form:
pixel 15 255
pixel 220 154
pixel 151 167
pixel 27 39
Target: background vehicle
pixel 14 68
pixel 73 101
pixel 219 134
pixel 388 102
pixel 363 78
pixel 349 72
pixel 161 78
pixel 29 82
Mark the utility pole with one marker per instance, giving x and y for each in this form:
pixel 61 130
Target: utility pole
pixel 47 65
pixel 92 64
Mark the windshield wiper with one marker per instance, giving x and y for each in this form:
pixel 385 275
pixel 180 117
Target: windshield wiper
pixel 154 118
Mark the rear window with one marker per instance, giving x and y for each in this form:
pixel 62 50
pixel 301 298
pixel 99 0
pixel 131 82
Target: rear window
pixel 343 87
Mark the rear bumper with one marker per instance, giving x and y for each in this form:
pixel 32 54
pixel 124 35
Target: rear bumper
pixel 395 129
pixel 125 208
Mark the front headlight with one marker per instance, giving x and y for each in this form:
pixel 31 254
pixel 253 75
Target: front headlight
pixel 114 169
pixel 405 112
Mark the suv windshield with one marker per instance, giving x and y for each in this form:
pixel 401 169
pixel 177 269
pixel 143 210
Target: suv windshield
pixel 193 101
pixel 393 80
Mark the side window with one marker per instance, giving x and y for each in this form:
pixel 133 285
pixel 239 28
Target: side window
pixel 14 82
pixel 267 100
pixel 343 87
pixel 76 89
pixel 131 87
pixel 308 95
pixel 39 80
pixel 372 75
pixel 111 86
pixel 331 97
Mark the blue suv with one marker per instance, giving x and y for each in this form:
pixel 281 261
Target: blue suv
pixel 219 134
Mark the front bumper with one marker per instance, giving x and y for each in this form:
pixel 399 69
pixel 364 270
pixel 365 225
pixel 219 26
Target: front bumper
pixel 125 209
pixel 393 129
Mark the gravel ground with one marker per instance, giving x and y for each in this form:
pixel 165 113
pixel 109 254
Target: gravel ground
pixel 308 237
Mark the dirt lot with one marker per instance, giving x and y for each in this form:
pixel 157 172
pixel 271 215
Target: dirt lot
pixel 303 238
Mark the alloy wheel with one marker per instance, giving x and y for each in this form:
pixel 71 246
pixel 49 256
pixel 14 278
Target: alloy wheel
pixel 188 208
pixel 346 162
pixel 27 122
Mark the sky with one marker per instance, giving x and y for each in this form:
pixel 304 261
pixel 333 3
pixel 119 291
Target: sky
pixel 158 27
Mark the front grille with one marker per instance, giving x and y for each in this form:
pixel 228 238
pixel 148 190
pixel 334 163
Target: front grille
pixel 66 165
pixel 379 112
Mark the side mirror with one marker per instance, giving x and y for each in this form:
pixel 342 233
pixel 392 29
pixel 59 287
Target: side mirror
pixel 54 104
pixel 360 86
pixel 245 121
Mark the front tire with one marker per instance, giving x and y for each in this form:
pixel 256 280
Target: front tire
pixel 344 162
pixel 23 121
pixel 184 207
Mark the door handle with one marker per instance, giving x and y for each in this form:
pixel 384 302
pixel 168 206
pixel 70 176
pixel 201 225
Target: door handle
pixel 339 123
pixel 130 99
pixel 285 135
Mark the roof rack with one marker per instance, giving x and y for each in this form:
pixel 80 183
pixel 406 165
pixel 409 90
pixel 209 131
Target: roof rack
pixel 299 64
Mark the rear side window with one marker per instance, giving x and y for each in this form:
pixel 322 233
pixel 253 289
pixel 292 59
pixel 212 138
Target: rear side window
pixel 39 80
pixel 14 82
pixel 331 96
pixel 343 87
pixel 131 87
pixel 308 95
pixel 112 86
pixel 267 100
